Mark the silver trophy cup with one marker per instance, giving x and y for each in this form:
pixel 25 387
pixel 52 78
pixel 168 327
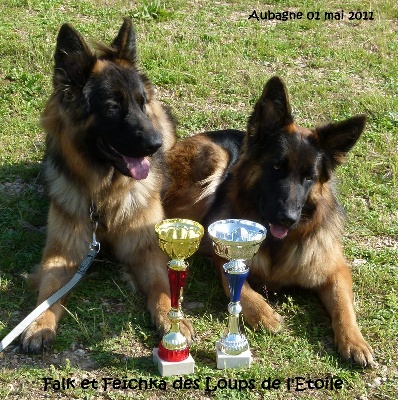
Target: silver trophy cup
pixel 236 240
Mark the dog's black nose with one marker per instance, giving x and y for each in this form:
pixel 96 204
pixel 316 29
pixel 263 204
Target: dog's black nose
pixel 288 218
pixel 154 145
pixel 150 142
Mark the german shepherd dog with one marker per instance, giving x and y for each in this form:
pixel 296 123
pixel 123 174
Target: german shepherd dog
pixel 280 175
pixel 106 135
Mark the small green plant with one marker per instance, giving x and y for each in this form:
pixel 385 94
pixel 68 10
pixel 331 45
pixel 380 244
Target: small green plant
pixel 151 10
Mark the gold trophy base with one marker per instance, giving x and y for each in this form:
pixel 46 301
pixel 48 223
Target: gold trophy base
pixel 224 361
pixel 168 368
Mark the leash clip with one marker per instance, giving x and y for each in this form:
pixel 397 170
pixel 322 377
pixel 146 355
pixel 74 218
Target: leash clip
pixel 94 217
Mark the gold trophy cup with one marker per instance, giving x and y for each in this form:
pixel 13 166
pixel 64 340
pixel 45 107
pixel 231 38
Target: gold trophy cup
pixel 179 239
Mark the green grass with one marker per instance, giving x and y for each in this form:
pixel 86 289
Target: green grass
pixel 209 63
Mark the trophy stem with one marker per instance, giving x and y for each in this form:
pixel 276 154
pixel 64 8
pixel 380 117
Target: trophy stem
pixel 233 319
pixel 233 342
pixel 174 346
pixel 177 271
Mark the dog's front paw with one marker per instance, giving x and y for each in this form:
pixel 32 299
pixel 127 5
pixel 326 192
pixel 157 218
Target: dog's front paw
pixel 38 336
pixel 162 324
pixel 355 349
pixel 187 330
pixel 258 313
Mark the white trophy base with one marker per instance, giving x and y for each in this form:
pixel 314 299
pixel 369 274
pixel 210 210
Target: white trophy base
pixel 226 361
pixel 167 368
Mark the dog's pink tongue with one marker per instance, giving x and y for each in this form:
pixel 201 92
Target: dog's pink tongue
pixel 138 167
pixel 278 231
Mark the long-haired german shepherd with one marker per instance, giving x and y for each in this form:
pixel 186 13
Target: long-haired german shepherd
pixel 106 138
pixel 281 175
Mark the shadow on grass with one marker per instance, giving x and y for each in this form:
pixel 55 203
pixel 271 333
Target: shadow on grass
pixel 23 211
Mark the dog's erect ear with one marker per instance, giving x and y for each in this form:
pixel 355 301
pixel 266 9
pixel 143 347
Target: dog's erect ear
pixel 272 111
pixel 73 58
pixel 124 43
pixel 337 139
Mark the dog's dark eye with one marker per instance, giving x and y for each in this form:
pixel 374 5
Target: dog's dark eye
pixel 141 101
pixel 309 178
pixel 112 105
pixel 277 166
